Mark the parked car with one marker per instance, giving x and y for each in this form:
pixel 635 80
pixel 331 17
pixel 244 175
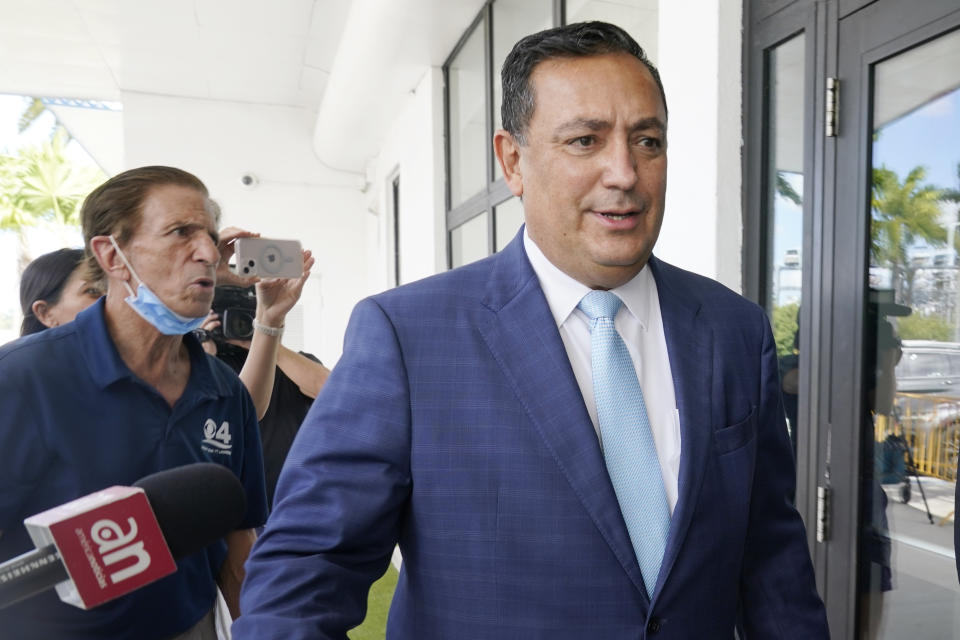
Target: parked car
pixel 929 366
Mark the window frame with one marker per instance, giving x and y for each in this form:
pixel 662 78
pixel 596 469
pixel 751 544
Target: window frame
pixel 495 191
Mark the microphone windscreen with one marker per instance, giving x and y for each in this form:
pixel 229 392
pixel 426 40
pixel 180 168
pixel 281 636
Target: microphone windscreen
pixel 195 505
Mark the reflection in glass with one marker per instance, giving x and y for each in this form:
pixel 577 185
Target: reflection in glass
pixel 907 578
pixel 469 241
pixel 468 143
pixel 783 212
pixel 509 217
pixel 512 20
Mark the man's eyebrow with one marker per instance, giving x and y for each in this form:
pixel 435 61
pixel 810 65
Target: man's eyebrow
pixel 579 124
pixel 650 123
pixel 176 224
pixel 193 227
pixel 596 124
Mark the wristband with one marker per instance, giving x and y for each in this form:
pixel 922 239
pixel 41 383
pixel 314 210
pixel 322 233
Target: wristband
pixel 274 332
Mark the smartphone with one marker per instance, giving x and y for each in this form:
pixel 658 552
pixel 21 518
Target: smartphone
pixel 268 258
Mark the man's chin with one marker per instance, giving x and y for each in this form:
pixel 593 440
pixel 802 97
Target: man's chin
pixel 610 276
pixel 196 307
pixel 631 262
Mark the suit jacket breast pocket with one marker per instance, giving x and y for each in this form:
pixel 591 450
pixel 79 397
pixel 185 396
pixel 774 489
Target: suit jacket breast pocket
pixel 737 435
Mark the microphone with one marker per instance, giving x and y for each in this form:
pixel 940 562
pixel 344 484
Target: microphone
pixel 112 542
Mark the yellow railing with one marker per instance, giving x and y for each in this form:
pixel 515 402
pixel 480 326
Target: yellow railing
pixel 931 426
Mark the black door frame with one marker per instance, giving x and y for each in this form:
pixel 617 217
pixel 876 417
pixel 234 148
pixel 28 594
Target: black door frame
pixel 767 25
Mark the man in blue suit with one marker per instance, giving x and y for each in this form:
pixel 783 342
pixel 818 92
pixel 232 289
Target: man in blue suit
pixel 550 469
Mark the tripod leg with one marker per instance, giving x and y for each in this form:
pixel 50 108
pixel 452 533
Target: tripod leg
pixel 913 467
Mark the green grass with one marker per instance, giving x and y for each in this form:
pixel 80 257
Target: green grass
pixel 374 626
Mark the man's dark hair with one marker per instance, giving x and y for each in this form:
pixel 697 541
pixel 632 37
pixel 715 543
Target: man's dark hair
pixel 116 206
pixel 581 39
pixel 44 279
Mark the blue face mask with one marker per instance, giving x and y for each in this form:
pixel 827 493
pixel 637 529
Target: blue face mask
pixel 146 303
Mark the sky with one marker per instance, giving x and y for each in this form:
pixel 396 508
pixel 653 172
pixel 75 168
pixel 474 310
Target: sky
pixel 928 136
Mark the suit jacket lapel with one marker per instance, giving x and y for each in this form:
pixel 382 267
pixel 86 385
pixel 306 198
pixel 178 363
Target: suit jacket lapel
pixel 690 349
pixel 522 336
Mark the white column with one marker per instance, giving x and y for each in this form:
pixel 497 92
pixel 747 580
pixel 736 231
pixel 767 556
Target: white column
pixel 700 65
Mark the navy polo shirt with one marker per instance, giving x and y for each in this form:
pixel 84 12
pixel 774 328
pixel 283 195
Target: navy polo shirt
pixel 73 420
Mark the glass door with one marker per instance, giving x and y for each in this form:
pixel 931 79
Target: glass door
pixel 907 576
pixel 895 314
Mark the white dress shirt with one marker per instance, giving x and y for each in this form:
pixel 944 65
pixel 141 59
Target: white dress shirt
pixel 641 326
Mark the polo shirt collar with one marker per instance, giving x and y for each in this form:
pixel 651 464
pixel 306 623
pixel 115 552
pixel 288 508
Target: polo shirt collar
pixel 107 367
pixel 563 293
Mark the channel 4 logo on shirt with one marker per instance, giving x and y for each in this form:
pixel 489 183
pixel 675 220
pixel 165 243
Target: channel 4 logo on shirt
pixel 216 439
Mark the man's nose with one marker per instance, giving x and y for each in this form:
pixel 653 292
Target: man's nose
pixel 206 250
pixel 620 166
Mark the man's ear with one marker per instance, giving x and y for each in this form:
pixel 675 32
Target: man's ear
pixel 108 258
pixel 508 154
pixel 41 311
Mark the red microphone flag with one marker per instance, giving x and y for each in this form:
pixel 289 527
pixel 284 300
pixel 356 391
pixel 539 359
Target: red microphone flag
pixel 109 541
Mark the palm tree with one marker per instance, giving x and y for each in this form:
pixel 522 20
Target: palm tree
pixel 903 212
pixel 953 195
pixel 41 186
pixel 31 114
pixel 785 189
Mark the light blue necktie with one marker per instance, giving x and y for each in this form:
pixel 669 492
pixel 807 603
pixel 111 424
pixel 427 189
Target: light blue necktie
pixel 628 445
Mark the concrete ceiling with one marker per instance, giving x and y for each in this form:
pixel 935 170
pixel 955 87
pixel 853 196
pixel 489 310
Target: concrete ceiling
pixel 279 52
pixel 354 62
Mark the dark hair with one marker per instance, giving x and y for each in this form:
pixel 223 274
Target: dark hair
pixel 44 279
pixel 116 206
pixel 581 39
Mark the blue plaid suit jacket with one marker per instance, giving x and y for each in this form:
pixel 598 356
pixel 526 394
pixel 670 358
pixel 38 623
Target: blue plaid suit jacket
pixel 453 425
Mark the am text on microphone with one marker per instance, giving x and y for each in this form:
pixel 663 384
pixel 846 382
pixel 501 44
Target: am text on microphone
pixel 109 543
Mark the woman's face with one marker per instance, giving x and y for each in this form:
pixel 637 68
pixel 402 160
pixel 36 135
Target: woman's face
pixel 77 295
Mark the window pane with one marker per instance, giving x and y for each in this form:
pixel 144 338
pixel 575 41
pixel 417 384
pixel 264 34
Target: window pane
pixel 512 20
pixel 911 431
pixel 469 241
pixel 468 133
pixel 636 17
pixel 783 213
pixel 509 217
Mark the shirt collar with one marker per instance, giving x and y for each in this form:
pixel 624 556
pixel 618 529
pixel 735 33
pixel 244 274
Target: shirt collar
pixel 563 293
pixel 106 366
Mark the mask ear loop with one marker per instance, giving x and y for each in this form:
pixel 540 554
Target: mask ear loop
pixel 116 246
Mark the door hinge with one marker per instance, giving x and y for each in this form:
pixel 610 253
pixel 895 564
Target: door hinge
pixel 832 105
pixel 823 513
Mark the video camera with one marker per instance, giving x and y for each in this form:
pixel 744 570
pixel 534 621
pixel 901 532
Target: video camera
pixel 237 307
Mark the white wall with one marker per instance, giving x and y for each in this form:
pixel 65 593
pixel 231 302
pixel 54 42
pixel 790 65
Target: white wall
pixel 414 149
pixel 296 196
pixel 699 61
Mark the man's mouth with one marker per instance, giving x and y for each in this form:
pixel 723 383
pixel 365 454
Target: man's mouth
pixel 618 214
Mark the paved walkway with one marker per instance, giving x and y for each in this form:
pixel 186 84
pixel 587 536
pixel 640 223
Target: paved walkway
pixel 925 601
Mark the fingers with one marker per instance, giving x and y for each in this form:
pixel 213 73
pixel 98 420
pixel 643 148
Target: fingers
pixel 212 322
pixel 308 262
pixel 228 236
